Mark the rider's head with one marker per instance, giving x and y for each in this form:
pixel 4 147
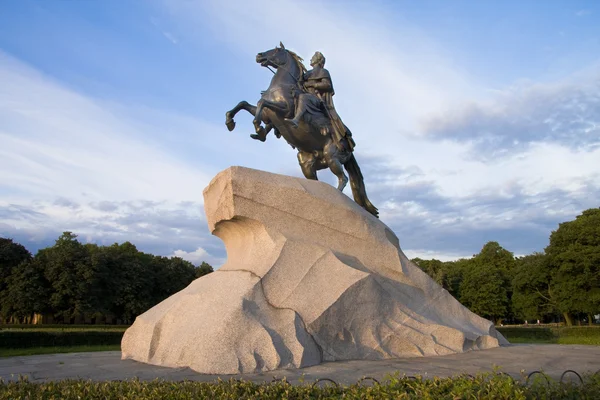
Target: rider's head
pixel 317 59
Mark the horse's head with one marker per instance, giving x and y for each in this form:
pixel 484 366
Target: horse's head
pixel 273 58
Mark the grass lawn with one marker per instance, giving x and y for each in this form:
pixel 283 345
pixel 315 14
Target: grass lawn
pixel 531 340
pixel 51 350
pixel 592 341
pixel 595 341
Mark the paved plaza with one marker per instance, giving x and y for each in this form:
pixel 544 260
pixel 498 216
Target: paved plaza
pixel 513 359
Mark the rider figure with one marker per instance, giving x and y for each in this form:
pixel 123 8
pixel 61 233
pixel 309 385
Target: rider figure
pixel 318 82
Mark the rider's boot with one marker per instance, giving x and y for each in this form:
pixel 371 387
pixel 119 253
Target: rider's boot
pixel 294 122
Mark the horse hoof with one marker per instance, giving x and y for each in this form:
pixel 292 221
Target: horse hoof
pixel 258 137
pixel 230 124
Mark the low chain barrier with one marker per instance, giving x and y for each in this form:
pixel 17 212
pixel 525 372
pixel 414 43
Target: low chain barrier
pixel 530 377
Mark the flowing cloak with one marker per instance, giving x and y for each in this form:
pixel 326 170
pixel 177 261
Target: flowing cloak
pixel 324 90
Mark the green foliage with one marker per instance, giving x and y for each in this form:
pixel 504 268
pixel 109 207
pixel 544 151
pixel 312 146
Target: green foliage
pixel 483 292
pixel 27 291
pixel 455 273
pixel 30 351
pixel 574 264
pixel 591 341
pixel 435 269
pixel 482 386
pixel 577 331
pixel 72 281
pixel 563 281
pixel 448 275
pixel 484 288
pixel 560 335
pixel 511 333
pixel 203 269
pixel 36 338
pixel 12 256
pixel 63 327
pixel 67 269
pixel 532 298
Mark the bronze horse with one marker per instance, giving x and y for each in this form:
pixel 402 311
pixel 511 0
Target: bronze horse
pixel 313 137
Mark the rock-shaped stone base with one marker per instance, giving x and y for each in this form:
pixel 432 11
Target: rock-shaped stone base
pixel 310 277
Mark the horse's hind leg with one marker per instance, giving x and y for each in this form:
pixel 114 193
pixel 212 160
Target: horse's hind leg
pixel 332 157
pixel 242 105
pixel 307 164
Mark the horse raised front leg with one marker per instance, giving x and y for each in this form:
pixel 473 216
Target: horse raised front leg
pixel 229 115
pixel 261 133
pixel 277 107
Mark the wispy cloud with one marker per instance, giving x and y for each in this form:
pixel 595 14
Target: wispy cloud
pixel 565 113
pixel 389 70
pixel 450 163
pixel 170 37
pixel 71 162
pixel 55 141
pixel 164 228
pixel 521 219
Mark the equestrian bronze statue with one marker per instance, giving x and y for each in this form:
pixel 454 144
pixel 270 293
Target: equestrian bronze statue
pixel 298 105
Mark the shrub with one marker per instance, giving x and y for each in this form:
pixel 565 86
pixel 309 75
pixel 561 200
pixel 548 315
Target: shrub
pixel 536 333
pixel 35 338
pixel 585 334
pixel 63 327
pixel 483 386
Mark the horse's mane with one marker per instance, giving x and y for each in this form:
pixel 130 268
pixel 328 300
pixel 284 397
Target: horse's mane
pixel 298 60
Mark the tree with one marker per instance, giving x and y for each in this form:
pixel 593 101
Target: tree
pixel 27 292
pixel 73 279
pixel 67 267
pixel 447 274
pixel 132 280
pixel 483 291
pixel 532 297
pixel 435 269
pixel 172 275
pixel 485 288
pixel 574 264
pixel 455 271
pixel 12 254
pixel 494 254
pixel 203 269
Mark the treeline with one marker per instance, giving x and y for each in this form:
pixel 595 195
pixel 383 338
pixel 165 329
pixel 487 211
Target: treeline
pixel 562 283
pixel 72 282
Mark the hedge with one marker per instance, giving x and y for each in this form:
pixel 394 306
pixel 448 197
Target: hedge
pixel 482 386
pixel 63 327
pixel 529 333
pixel 32 338
pixel 577 331
pixel 547 333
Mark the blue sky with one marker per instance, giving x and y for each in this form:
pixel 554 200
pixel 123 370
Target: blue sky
pixel 475 121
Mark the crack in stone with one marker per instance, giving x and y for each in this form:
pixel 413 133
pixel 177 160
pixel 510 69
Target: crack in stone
pixel 303 276
pixel 298 216
pixel 262 288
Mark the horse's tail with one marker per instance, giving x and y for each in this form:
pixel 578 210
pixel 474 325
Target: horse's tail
pixel 358 186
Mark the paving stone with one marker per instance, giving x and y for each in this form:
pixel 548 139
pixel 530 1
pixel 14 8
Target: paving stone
pixel 101 366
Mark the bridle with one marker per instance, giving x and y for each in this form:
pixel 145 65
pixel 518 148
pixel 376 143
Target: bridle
pixel 285 69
